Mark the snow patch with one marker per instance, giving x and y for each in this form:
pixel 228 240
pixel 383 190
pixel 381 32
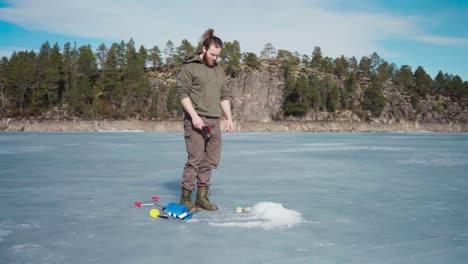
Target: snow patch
pixel 265 215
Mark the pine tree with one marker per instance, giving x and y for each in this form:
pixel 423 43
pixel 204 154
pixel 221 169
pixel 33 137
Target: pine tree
pixel 375 62
pixel 448 79
pixel 49 78
pixel 230 57
pixel 135 82
pixel 296 101
pixel 289 60
pixel 70 70
pixel 455 87
pixel 465 91
pixel 83 96
pixel 43 86
pixel 341 66
pixel 3 80
pixel 423 81
pixel 439 85
pixel 16 82
pixel 317 57
pixel 109 81
pixel 155 57
pixel 121 57
pixel 365 66
pixel 327 64
pixel 101 54
pixel 353 65
pixel 251 60
pixel 383 72
pixel 21 77
pixel 143 53
pixel 350 88
pixel 268 51
pixel 169 52
pixel 311 95
pixel 29 76
pixel 184 49
pixel 55 77
pixel 404 77
pixel 130 76
pixel 334 98
pixel 305 60
pixel 374 99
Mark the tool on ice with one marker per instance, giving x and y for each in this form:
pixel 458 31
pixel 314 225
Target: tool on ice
pixel 172 209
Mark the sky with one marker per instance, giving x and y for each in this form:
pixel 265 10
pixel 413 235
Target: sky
pixel 431 34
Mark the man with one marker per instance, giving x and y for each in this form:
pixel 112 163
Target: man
pixel 203 93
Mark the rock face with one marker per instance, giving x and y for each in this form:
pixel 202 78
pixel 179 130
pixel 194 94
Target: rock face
pixel 257 95
pixel 431 109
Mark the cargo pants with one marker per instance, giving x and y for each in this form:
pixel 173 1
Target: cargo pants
pixel 204 152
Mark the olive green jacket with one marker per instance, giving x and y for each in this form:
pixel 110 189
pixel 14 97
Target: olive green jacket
pixel 205 85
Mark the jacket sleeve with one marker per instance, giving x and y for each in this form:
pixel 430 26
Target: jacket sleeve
pixel 183 82
pixel 225 92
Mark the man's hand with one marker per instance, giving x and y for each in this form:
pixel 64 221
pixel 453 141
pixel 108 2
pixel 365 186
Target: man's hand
pixel 197 122
pixel 226 106
pixel 229 125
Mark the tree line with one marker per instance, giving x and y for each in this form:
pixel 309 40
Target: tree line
pixel 113 81
pixel 305 91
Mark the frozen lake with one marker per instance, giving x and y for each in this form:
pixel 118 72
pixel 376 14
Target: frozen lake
pixel 331 198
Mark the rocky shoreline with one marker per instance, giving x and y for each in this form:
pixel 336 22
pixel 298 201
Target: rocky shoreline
pixel 78 125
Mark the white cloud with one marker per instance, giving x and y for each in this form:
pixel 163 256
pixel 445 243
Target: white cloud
pixel 293 25
pixel 443 41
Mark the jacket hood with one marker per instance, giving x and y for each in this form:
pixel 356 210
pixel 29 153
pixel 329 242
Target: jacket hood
pixel 193 57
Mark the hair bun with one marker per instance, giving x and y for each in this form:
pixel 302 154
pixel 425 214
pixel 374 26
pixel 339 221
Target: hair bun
pixel 207 34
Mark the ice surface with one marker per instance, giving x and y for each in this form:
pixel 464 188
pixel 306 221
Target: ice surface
pixel 316 198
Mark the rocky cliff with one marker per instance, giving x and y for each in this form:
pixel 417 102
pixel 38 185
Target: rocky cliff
pixel 258 96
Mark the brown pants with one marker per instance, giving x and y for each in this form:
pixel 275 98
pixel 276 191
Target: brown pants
pixel 204 152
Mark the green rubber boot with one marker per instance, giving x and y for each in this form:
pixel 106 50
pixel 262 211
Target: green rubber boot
pixel 202 200
pixel 186 199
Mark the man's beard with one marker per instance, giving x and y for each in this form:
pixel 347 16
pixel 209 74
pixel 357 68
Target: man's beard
pixel 209 63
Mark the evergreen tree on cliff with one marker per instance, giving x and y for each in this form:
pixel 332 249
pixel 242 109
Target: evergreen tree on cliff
pixel 374 99
pixel 155 57
pixel 21 79
pixel 422 81
pixel 83 96
pixel 184 49
pixel 3 81
pixel 109 82
pixel 316 58
pixel 230 57
pixel 70 71
pixel 134 80
pixel 169 52
pixel 268 51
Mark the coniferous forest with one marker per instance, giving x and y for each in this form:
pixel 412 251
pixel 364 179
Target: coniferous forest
pixel 114 82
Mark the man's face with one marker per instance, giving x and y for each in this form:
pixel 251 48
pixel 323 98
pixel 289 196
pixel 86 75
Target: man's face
pixel 211 55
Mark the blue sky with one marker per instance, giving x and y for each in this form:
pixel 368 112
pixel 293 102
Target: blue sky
pixel 432 34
